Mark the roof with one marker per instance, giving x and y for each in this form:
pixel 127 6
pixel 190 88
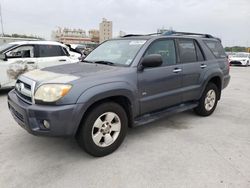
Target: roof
pixel 38 42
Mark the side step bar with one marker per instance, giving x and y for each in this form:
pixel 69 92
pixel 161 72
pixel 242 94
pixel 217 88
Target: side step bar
pixel 148 118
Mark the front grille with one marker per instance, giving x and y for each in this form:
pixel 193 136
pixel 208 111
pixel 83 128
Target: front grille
pixel 23 89
pixel 26 98
pixel 235 62
pixel 16 114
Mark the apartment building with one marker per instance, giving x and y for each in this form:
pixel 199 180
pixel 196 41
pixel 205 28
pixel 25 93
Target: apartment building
pixel 70 36
pixel 106 30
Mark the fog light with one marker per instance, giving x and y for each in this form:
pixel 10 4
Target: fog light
pixel 46 124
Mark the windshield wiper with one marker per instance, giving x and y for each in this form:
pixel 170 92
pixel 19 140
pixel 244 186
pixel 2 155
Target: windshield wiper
pixel 86 61
pixel 104 62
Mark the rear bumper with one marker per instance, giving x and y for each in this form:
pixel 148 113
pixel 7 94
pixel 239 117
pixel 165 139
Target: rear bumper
pixel 64 120
pixel 226 81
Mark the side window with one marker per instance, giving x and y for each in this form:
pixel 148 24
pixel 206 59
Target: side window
pixel 200 56
pixel 21 52
pixel 187 50
pixel 166 48
pixel 50 51
pixel 216 48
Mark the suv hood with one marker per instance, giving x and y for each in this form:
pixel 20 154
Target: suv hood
pixel 68 72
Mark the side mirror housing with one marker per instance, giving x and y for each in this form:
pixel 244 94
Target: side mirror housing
pixel 3 57
pixel 153 60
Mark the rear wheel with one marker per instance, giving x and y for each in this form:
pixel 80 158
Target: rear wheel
pixel 208 101
pixel 103 129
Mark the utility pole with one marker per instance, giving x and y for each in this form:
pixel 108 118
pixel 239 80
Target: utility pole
pixel 1 19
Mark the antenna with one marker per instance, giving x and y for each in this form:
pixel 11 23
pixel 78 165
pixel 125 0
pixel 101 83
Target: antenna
pixel 1 19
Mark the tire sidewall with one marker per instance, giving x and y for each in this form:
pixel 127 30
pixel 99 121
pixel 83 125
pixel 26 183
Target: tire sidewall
pixel 201 110
pixel 86 132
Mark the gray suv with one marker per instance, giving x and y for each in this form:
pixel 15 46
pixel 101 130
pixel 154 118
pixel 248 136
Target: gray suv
pixel 123 83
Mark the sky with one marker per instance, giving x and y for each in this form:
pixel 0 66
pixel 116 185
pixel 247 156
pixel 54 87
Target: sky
pixel 227 19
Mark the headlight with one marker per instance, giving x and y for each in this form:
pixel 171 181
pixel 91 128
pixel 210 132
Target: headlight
pixel 51 92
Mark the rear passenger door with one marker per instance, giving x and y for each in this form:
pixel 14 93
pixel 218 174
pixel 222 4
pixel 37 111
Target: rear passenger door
pixel 160 87
pixel 51 55
pixel 193 68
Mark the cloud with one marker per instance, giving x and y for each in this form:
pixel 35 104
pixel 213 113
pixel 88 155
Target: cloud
pixel 227 19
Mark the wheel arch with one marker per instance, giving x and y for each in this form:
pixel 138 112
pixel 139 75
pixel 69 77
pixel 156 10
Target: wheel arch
pixel 101 94
pixel 215 79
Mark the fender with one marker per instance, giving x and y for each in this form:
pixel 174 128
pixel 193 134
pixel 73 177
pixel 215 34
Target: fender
pixel 112 89
pixel 208 76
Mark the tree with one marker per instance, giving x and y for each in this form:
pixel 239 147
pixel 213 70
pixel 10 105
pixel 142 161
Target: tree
pixel 23 36
pixel 236 49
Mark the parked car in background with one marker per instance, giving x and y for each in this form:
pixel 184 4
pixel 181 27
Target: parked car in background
pixel 78 47
pixel 19 57
pixel 240 58
pixel 84 49
pixel 230 54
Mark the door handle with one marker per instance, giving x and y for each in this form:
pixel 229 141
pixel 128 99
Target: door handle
pixel 30 62
pixel 203 66
pixel 62 60
pixel 177 70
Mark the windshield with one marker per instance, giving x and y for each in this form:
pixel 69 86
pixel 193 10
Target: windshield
pixel 241 55
pixel 5 47
pixel 116 51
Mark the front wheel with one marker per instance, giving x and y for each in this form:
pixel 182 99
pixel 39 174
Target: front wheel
pixel 208 101
pixel 103 129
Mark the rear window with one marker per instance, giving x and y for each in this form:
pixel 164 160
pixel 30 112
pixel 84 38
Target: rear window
pixel 216 48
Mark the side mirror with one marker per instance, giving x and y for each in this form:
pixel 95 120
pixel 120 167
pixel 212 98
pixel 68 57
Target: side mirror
pixel 153 60
pixel 3 57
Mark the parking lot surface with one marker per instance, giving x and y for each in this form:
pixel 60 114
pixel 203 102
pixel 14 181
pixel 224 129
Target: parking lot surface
pixel 183 150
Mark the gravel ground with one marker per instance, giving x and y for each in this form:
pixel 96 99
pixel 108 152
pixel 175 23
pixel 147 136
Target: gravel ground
pixel 183 150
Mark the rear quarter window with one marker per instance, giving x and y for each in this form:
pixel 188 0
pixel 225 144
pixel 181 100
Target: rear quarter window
pixel 216 48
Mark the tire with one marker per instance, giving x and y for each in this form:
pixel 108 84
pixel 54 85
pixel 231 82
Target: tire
pixel 103 129
pixel 206 108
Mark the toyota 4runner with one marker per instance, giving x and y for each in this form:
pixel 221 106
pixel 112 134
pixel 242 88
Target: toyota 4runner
pixel 123 83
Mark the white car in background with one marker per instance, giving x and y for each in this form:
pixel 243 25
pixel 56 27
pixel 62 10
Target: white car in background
pixel 240 58
pixel 19 57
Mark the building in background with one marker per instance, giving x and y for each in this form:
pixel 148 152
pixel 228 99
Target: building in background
pixel 70 36
pixel 106 30
pixel 80 36
pixel 94 34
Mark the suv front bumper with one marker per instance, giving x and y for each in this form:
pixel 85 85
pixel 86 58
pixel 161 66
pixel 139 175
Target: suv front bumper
pixel 63 120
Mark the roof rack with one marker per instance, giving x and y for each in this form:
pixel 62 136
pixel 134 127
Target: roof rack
pixel 136 35
pixel 186 33
pixel 168 33
pixel 132 35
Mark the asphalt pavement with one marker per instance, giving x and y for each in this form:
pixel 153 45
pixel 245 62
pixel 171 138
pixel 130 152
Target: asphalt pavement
pixel 179 151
